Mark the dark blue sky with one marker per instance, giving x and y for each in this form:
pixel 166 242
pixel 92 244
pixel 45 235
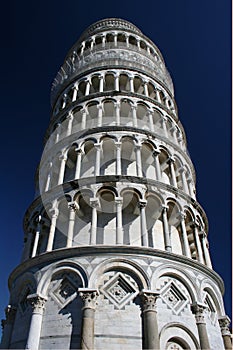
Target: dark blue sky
pixel 195 40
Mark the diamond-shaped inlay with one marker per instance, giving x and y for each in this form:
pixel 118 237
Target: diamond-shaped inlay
pixel 172 295
pixel 119 290
pixel 64 291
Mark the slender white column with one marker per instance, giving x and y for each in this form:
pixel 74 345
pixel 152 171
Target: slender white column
pixel 73 207
pixel 98 147
pixel 144 234
pixel 224 322
pixel 48 181
pixel 101 87
pixel 63 159
pixel 37 236
pixel 190 186
pixel 58 132
pixel 84 118
pixel 138 159
pixel 205 247
pixel 184 235
pixel 149 316
pixel 198 243
pixel 64 101
pixel 95 204
pixel 117 83
pixel 145 87
pixel 70 118
pixel 166 231
pixel 92 42
pixel 138 44
pixel 100 114
pixel 82 47
pixel 184 180
pixel 115 39
pixel 131 85
pixel 158 98
pixel 171 162
pixel 157 165
pixel 198 310
pixel 7 324
pixel 38 306
pixel 75 92
pixel 163 121
pixel 118 157
pixel 103 40
pixel 151 122
pixel 54 215
pixel 79 152
pixel 127 40
pixel 134 114
pixel 89 297
pixel 88 85
pixel 117 111
pixel 119 229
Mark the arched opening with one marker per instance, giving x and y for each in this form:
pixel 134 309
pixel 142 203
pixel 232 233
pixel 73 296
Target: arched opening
pixel 108 159
pixel 109 82
pixel 157 116
pixel 138 85
pixel 142 117
pixel 148 162
pixel 60 237
pixel 190 234
pixel 131 218
pixel 92 115
pixel 174 226
pixel 81 89
pixel 109 113
pixel 151 90
pixel 154 223
pixel 77 121
pixel 126 113
pixel 124 82
pixel 88 159
pixel 70 164
pixel 83 219
pixel 128 157
pixel 95 82
pixel 106 222
pixel 165 170
pixel 132 40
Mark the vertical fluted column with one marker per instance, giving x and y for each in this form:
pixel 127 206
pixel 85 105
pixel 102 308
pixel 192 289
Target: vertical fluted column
pixel 54 215
pixel 73 207
pixel 119 230
pixel 204 242
pixel 166 231
pixel 38 305
pixel 63 159
pixel 144 235
pixel 94 203
pixel 89 297
pixel 184 235
pixel 7 324
pixel 37 236
pixel 78 162
pixel 150 323
pixel 97 159
pixel 224 322
pixel 198 243
pixel 198 310
pixel 138 159
pixel 118 157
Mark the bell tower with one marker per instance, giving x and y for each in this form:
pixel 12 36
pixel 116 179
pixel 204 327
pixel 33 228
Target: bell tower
pixel 116 253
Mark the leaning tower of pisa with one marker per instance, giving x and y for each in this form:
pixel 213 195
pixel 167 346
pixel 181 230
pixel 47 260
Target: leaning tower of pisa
pixel 116 252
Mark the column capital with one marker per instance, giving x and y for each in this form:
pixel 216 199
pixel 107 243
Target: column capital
pixel 70 115
pixel 142 203
pixel 224 322
pixel 54 212
pixel 73 206
pixel 164 207
pixel 181 215
pixel 119 200
pixel 98 145
pixel 95 203
pixel 89 297
pixel 181 169
pixel 171 159
pixel 62 157
pixel 118 144
pixel 148 299
pixel 198 310
pixel 79 150
pixel 37 302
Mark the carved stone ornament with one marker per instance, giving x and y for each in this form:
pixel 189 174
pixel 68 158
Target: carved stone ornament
pixel 89 297
pixel 199 310
pixel 37 303
pixel 224 323
pixel 148 300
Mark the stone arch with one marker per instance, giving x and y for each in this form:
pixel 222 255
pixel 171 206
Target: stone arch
pixel 142 116
pixel 148 161
pixel 88 158
pixel 178 334
pixel 124 82
pixel 95 83
pixel 174 226
pixel 138 85
pixel 77 121
pixel 154 221
pixel 92 114
pixel 164 156
pixel 108 112
pixel 60 237
pixel 126 112
pixel 108 159
pixel 207 286
pixel 128 156
pixel 69 173
pixel 109 81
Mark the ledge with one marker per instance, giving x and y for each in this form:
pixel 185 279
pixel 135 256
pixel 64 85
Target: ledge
pixel 110 250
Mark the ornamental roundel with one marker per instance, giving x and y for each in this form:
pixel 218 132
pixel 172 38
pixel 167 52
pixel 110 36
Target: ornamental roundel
pixel 174 296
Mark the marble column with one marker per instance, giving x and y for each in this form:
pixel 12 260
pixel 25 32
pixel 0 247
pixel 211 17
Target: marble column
pixel 145 88
pixel 205 247
pixel 95 204
pixel 131 85
pixel 171 162
pixel 118 157
pixel 119 229
pixel 37 236
pixel 79 152
pixel 63 159
pixel 75 92
pixel 117 112
pixel 48 181
pixel 157 165
pixel 134 115
pixel 198 310
pixel 150 323
pixel 158 98
pixel 138 159
pixel 84 119
pixel 166 231
pixel 184 235
pixel 54 215
pixel 97 159
pixel 117 83
pixel 7 325
pixel 144 234
pixel 151 121
pixel 57 132
pixel 224 322
pixel 184 180
pixel 38 305
pixel 73 207
pixel 195 228
pixel 89 297
pixel 70 118
pixel 100 115
pixel 101 86
pixel 87 90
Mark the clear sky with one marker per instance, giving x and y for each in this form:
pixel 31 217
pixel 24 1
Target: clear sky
pixel 194 37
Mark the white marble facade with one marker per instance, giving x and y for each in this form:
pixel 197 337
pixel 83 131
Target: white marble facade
pixel 116 254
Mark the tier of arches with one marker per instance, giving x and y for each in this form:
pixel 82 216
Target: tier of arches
pixel 109 155
pixel 125 218
pixel 126 81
